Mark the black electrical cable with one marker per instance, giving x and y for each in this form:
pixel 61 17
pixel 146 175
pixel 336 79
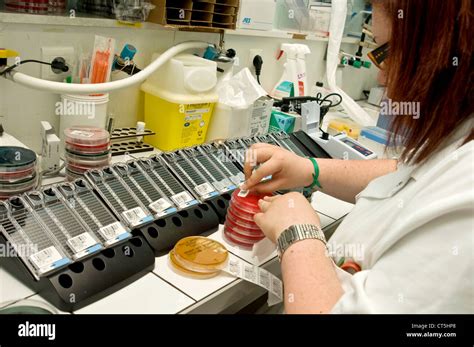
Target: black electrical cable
pixel 55 65
pixel 258 63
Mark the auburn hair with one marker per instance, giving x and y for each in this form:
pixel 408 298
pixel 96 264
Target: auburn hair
pixel 430 61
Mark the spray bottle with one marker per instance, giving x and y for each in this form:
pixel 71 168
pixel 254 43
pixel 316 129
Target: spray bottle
pixel 302 51
pixel 287 86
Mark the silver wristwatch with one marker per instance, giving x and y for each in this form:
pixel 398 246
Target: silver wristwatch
pixel 297 233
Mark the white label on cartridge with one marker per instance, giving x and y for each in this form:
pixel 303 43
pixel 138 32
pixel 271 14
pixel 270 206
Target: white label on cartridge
pixel 238 179
pixel 135 215
pixel 182 199
pixel 46 257
pixel 160 205
pixel 204 189
pixel 81 242
pixel 219 186
pixel 258 276
pixel 112 231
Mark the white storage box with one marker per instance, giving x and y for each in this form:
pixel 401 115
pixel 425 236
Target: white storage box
pixel 256 14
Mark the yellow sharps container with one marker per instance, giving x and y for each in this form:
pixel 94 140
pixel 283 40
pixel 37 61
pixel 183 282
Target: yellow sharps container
pixel 179 101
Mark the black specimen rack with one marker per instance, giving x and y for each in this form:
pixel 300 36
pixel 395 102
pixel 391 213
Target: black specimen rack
pixel 86 281
pixel 124 216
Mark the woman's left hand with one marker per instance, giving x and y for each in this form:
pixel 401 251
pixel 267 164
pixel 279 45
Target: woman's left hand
pixel 282 211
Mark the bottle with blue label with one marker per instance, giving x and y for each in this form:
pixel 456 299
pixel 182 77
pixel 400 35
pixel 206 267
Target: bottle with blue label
pixel 288 83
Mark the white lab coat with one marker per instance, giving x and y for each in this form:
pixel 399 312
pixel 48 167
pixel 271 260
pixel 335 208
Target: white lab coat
pixel 416 229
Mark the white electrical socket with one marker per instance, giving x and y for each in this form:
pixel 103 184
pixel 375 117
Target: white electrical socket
pixel 48 54
pixel 252 53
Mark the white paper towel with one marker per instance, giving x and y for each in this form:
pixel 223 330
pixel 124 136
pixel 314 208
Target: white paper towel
pixel 336 29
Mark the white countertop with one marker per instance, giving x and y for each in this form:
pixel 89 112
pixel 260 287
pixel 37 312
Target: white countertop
pixel 165 291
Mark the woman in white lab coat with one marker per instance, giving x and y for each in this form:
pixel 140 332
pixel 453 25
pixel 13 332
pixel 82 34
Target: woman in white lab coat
pixel 413 220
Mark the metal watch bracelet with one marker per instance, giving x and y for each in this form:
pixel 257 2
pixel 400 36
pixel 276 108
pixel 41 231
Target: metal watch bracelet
pixel 297 233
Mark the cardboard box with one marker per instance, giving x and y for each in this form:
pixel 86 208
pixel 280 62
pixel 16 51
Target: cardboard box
pixel 196 15
pixel 284 121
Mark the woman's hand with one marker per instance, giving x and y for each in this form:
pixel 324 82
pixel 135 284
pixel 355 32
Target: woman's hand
pixel 288 170
pixel 282 211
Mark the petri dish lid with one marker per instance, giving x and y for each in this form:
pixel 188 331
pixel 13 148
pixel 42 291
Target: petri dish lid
pixel 88 162
pixel 28 307
pixel 236 240
pixel 248 233
pixel 19 185
pixel 198 252
pixel 237 219
pixel 182 270
pixel 13 158
pixel 77 170
pixel 86 154
pixel 71 176
pixel 87 150
pixel 6 179
pixel 249 203
pixel 85 136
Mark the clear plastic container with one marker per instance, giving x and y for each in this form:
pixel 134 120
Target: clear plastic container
pixel 301 16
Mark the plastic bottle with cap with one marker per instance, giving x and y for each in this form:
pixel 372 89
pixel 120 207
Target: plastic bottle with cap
pixel 140 130
pixel 302 51
pixel 287 86
pixel 318 88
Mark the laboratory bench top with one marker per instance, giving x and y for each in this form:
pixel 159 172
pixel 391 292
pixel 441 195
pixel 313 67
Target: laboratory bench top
pixel 163 291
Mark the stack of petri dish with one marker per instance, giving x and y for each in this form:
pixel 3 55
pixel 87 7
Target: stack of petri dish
pixel 18 171
pixel 86 148
pixel 239 227
pixel 198 257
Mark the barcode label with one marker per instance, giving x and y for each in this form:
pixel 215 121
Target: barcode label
pixel 204 189
pixel 46 257
pixel 238 179
pixel 182 199
pixel 134 216
pixel 112 231
pixel 250 273
pixel 264 279
pixel 243 193
pixel 160 205
pixel 234 267
pixel 277 287
pixel 220 186
pixel 81 242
